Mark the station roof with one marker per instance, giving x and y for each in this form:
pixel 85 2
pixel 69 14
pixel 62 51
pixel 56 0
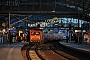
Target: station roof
pixel 64 7
pixel 45 5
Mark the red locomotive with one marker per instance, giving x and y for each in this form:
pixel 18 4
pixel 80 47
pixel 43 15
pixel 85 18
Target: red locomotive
pixel 36 35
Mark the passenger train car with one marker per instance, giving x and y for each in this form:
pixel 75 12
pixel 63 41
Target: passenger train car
pixel 51 36
pixel 61 34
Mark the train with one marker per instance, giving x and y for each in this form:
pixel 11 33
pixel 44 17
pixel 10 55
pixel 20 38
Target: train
pixel 38 36
pixel 21 37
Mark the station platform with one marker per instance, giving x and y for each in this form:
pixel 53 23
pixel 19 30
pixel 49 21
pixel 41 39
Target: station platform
pixel 77 46
pixel 11 51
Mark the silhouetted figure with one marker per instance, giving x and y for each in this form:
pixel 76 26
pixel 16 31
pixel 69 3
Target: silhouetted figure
pixel 75 39
pixel 10 38
pixel 67 39
pixel 28 37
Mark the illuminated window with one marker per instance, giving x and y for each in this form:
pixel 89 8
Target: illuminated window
pixel 35 33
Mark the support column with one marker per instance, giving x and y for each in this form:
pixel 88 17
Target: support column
pixel 9 20
pixel 9 28
pixel 78 20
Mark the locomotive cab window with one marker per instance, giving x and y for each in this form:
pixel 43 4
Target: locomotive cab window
pixel 35 33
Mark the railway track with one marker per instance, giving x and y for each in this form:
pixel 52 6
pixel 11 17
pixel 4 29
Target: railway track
pixel 48 54
pixel 29 52
pixel 72 54
pixel 24 51
pixel 47 51
pixel 42 52
pixel 59 50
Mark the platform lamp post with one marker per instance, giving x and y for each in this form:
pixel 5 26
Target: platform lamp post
pixel 70 28
pixel 9 36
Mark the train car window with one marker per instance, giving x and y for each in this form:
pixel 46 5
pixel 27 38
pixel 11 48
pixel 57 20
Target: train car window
pixel 32 33
pixel 35 33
